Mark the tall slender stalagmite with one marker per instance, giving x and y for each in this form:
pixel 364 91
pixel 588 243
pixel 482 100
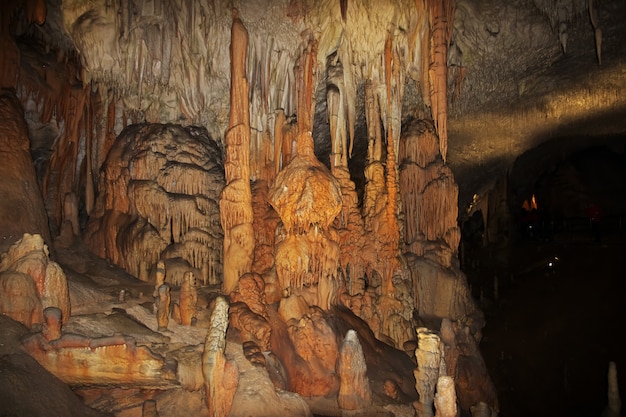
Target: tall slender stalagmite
pixel 236 199
pixel 392 229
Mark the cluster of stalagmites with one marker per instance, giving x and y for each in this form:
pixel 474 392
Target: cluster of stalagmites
pixel 158 200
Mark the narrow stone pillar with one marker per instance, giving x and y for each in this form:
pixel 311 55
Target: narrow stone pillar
pixel 51 328
pixel 445 400
pixel 220 376
pixel 163 307
pixel 428 355
pixel 188 299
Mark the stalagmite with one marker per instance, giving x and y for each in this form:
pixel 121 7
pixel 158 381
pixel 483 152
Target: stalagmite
pixel 219 375
pixel 236 199
pixel 614 406
pixel 163 307
pixel 392 228
pixel 149 409
pixel 51 328
pixel 445 399
pixel 354 388
pixel 160 277
pixel 188 299
pixel 429 362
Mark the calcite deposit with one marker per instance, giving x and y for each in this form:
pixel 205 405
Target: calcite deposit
pixel 159 192
pixel 31 282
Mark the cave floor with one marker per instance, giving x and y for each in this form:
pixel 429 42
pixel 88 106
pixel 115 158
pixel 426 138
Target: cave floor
pixel 551 332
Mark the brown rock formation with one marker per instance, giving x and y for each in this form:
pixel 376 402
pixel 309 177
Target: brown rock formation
pixel 307 198
pixel 51 329
pixel 220 375
pixel 354 388
pixel 315 342
pixel 21 209
pixel 19 298
pixel 445 399
pixel 116 360
pixel 29 256
pixel 236 198
pixel 188 300
pixel 163 307
pixel 158 200
pixel 429 362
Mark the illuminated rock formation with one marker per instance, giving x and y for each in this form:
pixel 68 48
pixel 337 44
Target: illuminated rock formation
pixel 163 307
pixel 51 328
pixel 29 257
pixel 429 363
pixel 236 199
pixel 445 399
pixel 220 375
pixel 188 300
pixel 307 198
pixel 115 360
pixel 159 200
pixel 19 298
pixel 354 388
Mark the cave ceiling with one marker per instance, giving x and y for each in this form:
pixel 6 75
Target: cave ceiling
pixel 519 72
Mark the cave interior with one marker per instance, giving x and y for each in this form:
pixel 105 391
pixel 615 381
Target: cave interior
pixel 306 208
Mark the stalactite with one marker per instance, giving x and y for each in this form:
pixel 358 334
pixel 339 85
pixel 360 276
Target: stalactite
pixel 306 86
pixel 441 15
pixel 236 199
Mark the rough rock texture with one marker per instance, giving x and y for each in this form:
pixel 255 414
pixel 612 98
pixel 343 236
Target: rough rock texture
pixel 21 209
pixel 26 388
pixel 315 342
pixel 236 200
pixel 220 374
pixel 29 257
pixel 307 198
pixel 354 388
pixel 159 191
pixel 429 363
pixel 79 360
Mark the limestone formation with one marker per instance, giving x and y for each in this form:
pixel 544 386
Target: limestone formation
pixel 307 198
pixel 51 328
pixel 354 388
pixel 158 200
pixel 315 342
pixel 445 399
pixel 614 405
pixel 188 300
pixel 29 256
pixel 236 198
pixel 163 307
pixel 114 360
pixel 19 298
pixel 160 277
pixel 220 375
pixel 21 208
pixel 429 363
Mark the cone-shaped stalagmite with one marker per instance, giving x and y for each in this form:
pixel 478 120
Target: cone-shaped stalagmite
pixel 354 387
